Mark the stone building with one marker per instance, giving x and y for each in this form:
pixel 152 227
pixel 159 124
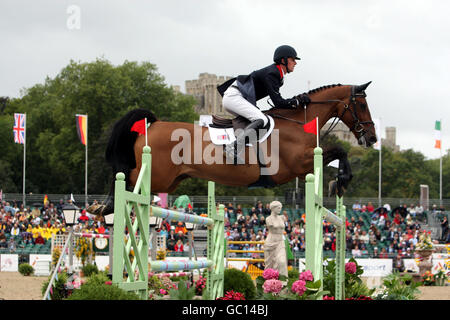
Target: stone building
pixel 176 88
pixel 343 133
pixel 390 141
pixel 204 89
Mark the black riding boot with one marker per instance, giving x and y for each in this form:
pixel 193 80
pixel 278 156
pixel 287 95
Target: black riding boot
pixel 232 151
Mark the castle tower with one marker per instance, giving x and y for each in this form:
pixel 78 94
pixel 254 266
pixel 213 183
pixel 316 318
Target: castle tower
pixel 204 89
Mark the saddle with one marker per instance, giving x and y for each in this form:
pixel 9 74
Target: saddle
pixel 224 123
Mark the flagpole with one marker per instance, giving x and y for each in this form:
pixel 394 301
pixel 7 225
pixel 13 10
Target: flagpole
pixel 440 167
pixel 296 178
pixel 86 165
pixel 440 179
pixel 379 171
pixel 24 162
pixel 146 143
pixel 318 130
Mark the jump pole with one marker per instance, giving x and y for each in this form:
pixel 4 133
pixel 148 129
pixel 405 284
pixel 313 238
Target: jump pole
pixel 315 214
pixel 136 269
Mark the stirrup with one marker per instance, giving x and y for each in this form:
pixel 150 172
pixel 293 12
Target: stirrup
pixel 230 151
pixel 232 154
pixel 254 125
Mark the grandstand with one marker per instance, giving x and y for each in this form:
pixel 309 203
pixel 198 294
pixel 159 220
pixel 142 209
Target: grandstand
pixel 427 221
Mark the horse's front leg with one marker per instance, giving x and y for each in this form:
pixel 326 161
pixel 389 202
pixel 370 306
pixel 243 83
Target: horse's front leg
pixel 344 175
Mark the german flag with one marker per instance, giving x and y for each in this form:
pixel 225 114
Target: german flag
pixel 82 127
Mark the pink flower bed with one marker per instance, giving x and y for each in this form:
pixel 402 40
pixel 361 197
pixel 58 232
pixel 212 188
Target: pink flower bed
pixel 299 287
pixel 270 274
pixel 306 276
pixel 272 286
pixel 350 267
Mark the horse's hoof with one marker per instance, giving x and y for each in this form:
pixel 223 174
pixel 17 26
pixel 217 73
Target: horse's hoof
pixel 96 209
pixel 340 191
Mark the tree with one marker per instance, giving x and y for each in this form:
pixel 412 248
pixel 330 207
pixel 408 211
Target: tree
pixel 402 173
pixel 55 156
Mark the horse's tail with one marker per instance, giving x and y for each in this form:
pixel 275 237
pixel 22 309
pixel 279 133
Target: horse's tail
pixel 120 149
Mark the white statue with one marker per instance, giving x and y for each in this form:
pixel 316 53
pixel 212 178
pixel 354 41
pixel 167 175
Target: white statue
pixel 274 246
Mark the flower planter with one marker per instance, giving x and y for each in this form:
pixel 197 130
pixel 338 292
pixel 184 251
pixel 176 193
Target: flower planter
pixel 425 264
pixel 425 254
pixel 440 282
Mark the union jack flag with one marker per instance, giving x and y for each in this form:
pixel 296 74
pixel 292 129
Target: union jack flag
pixel 19 128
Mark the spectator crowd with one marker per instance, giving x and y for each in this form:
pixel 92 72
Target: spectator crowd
pixel 370 232
pixel 21 226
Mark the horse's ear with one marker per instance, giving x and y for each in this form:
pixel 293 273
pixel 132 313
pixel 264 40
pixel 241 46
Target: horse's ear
pixel 362 87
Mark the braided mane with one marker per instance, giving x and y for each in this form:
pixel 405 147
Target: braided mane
pixel 309 92
pixel 324 87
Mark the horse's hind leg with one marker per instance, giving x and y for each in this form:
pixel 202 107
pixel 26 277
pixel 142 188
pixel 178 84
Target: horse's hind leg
pixel 107 206
pixel 344 175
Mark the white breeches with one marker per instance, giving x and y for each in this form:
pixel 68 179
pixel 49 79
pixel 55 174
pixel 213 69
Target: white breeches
pixel 234 103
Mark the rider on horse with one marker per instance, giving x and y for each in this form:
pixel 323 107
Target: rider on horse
pixel 241 93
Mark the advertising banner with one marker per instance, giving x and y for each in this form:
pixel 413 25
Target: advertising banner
pixel 9 263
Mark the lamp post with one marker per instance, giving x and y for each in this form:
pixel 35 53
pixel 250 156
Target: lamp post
pixel 70 215
pixel 109 222
pixel 190 228
pixel 154 222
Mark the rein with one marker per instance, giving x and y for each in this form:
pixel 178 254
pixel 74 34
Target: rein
pixel 333 124
pixel 358 125
pixel 275 115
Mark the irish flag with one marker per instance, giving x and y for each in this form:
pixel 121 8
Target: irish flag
pixel 437 134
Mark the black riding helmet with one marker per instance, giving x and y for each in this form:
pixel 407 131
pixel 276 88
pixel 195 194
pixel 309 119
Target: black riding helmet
pixel 284 52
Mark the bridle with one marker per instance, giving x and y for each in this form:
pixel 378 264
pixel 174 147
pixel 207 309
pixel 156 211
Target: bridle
pixel 358 125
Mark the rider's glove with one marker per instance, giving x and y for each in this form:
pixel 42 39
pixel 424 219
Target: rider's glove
pixel 303 99
pixel 293 102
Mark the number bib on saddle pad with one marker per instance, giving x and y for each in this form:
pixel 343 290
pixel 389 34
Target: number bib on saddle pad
pixel 221 136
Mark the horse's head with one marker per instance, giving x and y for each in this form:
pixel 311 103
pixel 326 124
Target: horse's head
pixel 356 115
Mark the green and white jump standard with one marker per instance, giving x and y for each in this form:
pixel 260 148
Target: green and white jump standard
pixel 315 214
pixel 131 273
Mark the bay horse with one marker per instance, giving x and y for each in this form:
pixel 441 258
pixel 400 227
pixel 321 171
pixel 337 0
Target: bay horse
pixel 296 147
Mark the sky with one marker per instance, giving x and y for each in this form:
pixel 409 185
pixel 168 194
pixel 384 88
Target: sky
pixel 403 47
